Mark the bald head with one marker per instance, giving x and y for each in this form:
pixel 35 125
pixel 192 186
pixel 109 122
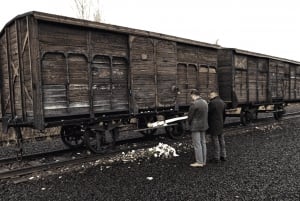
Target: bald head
pixel 212 95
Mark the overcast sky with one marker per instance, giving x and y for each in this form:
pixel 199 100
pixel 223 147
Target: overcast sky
pixel 265 26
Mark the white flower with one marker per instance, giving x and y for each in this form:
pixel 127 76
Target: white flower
pixel 150 178
pixel 163 150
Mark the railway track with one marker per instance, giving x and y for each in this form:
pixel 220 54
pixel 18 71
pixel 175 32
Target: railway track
pixel 238 127
pixel 10 168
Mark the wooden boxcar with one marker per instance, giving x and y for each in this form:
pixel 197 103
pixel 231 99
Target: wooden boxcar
pixel 60 71
pixel 255 82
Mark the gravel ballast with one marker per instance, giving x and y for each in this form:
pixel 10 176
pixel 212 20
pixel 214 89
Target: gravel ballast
pixel 263 164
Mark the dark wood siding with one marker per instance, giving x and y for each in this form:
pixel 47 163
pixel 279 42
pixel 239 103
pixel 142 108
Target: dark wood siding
pixel 297 80
pixel 68 54
pixel 166 61
pixel 78 87
pixel 252 79
pixel 293 87
pixel 245 81
pixel 240 87
pixel 54 84
pixel 4 76
pixel 153 72
pixel 143 73
pixel 101 84
pixel 186 72
pixel 225 81
pixel 278 83
pixel 225 75
pixel 15 77
pixel 196 69
pixel 65 84
pixel 207 80
pixel 256 79
pixel 262 81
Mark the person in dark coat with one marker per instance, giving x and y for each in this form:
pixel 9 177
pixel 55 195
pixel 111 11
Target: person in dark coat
pixel 197 119
pixel 216 116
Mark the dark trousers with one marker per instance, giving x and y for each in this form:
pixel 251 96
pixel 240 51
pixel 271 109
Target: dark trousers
pixel 219 149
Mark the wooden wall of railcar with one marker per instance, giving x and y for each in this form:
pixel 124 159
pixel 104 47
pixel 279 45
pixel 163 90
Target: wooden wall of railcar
pixel 16 83
pixel 83 71
pixel 225 77
pixel 196 69
pixel 158 67
pixel 54 70
pixel 154 66
pixel 284 80
pixel 246 78
pixel 153 72
pixel 59 70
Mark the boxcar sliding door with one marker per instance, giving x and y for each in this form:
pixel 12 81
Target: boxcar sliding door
pixel 143 87
pixel 153 73
pixel 186 80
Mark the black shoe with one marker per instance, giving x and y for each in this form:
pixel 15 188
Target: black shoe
pixel 214 160
pixel 223 159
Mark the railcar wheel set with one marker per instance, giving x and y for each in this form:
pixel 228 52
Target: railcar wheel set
pixel 96 80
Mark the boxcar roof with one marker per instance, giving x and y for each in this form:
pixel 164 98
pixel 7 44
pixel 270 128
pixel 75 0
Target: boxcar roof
pixel 245 52
pixel 114 28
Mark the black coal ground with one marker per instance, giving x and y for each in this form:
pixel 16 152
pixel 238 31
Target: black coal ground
pixel 262 165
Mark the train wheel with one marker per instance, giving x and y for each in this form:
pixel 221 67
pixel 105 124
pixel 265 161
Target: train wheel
pixel 72 136
pixel 246 117
pixel 176 131
pixel 95 141
pixel 143 124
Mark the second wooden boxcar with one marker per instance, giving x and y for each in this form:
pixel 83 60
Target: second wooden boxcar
pixel 253 82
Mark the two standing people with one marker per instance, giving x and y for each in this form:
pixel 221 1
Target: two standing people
pixel 202 116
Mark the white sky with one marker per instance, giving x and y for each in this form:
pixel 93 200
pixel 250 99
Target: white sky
pixel 265 26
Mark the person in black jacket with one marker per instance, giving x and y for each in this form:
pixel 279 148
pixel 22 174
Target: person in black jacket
pixel 197 119
pixel 216 116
